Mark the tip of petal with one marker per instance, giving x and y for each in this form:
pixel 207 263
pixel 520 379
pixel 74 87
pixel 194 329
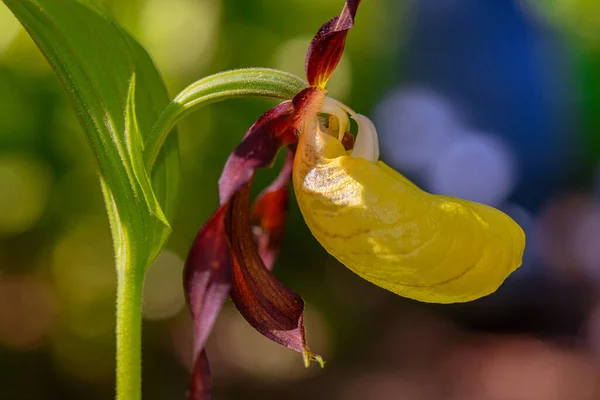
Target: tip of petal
pixel 308 356
pixel 327 46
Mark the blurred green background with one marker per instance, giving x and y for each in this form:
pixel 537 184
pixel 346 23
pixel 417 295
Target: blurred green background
pixel 525 73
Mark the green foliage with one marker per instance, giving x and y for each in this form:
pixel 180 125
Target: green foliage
pixel 118 95
pixel 96 60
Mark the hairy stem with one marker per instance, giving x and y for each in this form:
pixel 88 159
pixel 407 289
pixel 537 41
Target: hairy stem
pixel 129 333
pixel 245 82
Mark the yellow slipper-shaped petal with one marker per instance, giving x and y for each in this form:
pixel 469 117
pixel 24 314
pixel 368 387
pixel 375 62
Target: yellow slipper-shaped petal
pixel 427 247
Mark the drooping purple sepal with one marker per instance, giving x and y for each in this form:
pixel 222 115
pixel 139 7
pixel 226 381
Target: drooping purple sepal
pixel 269 213
pixel 226 259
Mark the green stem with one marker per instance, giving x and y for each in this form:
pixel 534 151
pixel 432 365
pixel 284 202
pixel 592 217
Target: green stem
pixel 245 82
pixel 129 334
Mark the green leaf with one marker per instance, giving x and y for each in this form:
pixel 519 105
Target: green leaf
pixel 118 95
pixel 135 148
pixel 257 82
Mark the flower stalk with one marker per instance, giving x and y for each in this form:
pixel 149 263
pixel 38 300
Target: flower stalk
pixel 129 331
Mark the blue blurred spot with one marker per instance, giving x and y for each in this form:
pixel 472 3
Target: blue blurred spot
pixel 503 71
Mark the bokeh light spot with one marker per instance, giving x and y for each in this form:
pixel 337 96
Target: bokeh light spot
pixel 586 248
pixel 27 311
pixel 415 125
pixel 559 244
pixel 163 290
pixel 477 167
pixel 576 17
pixel 83 261
pixel 25 184
pixel 87 360
pixel 181 34
pixel 592 330
pixel 9 28
pixel 84 273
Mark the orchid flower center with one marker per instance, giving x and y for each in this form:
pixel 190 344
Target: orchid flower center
pixel 366 144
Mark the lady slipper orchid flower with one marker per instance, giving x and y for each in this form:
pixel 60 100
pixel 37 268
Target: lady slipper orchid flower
pixel 427 247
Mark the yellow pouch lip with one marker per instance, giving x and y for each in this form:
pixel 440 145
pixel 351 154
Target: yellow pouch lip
pixel 372 199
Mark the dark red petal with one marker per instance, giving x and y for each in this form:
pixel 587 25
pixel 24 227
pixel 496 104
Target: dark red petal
pixel 258 149
pixel 327 46
pixel 274 129
pixel 207 275
pixel 267 304
pixel 200 384
pixel 269 212
pixel 207 281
